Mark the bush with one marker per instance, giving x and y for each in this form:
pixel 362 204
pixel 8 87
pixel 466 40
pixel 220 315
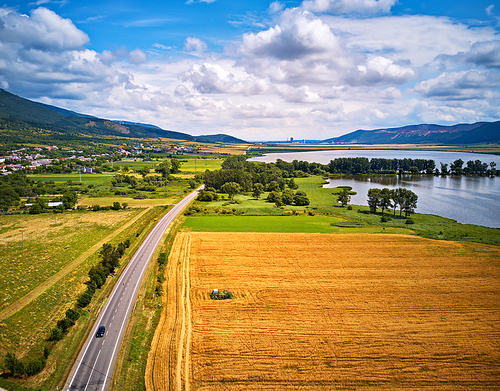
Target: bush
pixel 56 334
pixel 64 324
pixel 35 366
pixel 385 219
pixel 409 221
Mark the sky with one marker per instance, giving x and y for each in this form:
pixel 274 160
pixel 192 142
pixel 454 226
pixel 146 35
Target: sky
pixel 258 70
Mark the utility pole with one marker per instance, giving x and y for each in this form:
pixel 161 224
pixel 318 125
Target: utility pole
pixel 22 238
pixel 80 171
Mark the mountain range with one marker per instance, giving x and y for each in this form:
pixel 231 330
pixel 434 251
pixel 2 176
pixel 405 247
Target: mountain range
pixel 22 121
pixel 460 134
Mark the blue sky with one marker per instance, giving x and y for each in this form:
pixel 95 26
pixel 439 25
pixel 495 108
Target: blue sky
pixel 258 69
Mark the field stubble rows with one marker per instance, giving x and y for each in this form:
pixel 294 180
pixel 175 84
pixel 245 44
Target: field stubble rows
pixel 316 312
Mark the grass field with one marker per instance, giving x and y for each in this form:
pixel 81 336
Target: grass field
pixel 199 165
pixel 324 207
pixel 48 247
pixel 87 179
pixel 323 312
pixel 49 250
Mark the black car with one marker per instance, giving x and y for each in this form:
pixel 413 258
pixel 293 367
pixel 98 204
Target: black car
pixel 100 332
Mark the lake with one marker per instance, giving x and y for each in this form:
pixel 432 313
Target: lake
pixel 468 200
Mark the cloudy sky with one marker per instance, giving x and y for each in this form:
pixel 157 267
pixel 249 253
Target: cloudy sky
pixel 258 70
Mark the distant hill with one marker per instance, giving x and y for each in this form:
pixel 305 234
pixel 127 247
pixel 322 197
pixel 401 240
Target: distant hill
pixel 222 138
pixel 461 134
pixel 23 121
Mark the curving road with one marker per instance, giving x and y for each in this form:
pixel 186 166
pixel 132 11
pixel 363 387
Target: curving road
pixel 94 366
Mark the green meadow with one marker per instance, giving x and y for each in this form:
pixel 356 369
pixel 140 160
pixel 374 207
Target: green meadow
pixel 322 211
pixel 285 224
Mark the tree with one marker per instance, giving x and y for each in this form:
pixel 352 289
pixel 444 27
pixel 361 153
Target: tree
pixel 385 199
pixel 398 198
pixel 374 199
pixel 116 206
pixel 456 167
pixel 12 364
pixel 274 196
pixel 163 168
pixel 176 166
pixel 258 189
pixel 410 202
pixel 300 198
pixel 144 171
pixel 274 186
pixel 287 197
pixel 231 188
pixel 344 198
pixel 292 184
pixel 69 198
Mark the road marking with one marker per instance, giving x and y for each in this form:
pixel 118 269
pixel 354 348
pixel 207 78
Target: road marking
pixel 90 377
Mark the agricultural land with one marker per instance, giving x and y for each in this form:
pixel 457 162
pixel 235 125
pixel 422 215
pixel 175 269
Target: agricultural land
pixel 327 311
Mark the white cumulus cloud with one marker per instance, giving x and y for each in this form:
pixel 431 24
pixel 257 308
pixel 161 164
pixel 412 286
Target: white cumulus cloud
pixel 349 6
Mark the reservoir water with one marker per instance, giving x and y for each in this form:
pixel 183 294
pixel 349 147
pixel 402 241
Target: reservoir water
pixel 469 200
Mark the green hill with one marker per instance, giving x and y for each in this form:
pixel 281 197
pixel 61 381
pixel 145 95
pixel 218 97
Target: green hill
pixel 24 121
pixel 460 134
pixel 222 138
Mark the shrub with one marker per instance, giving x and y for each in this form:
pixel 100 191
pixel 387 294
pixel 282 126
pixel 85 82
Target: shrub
pixel 56 334
pixel 35 366
pixel 409 221
pixel 385 219
pixel 64 324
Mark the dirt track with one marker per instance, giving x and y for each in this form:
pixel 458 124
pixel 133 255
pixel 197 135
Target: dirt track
pixel 169 359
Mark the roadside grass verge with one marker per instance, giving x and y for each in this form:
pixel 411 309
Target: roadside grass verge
pixel 25 332
pixel 129 373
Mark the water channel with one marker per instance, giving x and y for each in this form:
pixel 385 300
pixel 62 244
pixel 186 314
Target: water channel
pixel 468 200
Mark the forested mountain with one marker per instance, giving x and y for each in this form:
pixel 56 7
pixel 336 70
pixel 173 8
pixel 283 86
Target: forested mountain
pixel 23 121
pixel 222 138
pixel 461 134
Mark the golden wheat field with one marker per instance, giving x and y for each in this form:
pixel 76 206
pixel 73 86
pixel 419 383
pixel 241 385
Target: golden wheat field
pixel 323 312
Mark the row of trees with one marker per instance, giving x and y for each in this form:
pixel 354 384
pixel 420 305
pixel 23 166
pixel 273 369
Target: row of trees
pixel 110 259
pixel 365 166
pixel 386 198
pixel 473 167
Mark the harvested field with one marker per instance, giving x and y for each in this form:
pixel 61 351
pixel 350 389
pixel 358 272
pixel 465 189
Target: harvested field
pixel 328 311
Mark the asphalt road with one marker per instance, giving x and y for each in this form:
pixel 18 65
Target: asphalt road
pixel 94 366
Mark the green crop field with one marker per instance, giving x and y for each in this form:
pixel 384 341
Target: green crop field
pixel 199 165
pixel 308 224
pixel 87 179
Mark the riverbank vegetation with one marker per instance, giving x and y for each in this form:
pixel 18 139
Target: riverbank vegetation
pixel 325 204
